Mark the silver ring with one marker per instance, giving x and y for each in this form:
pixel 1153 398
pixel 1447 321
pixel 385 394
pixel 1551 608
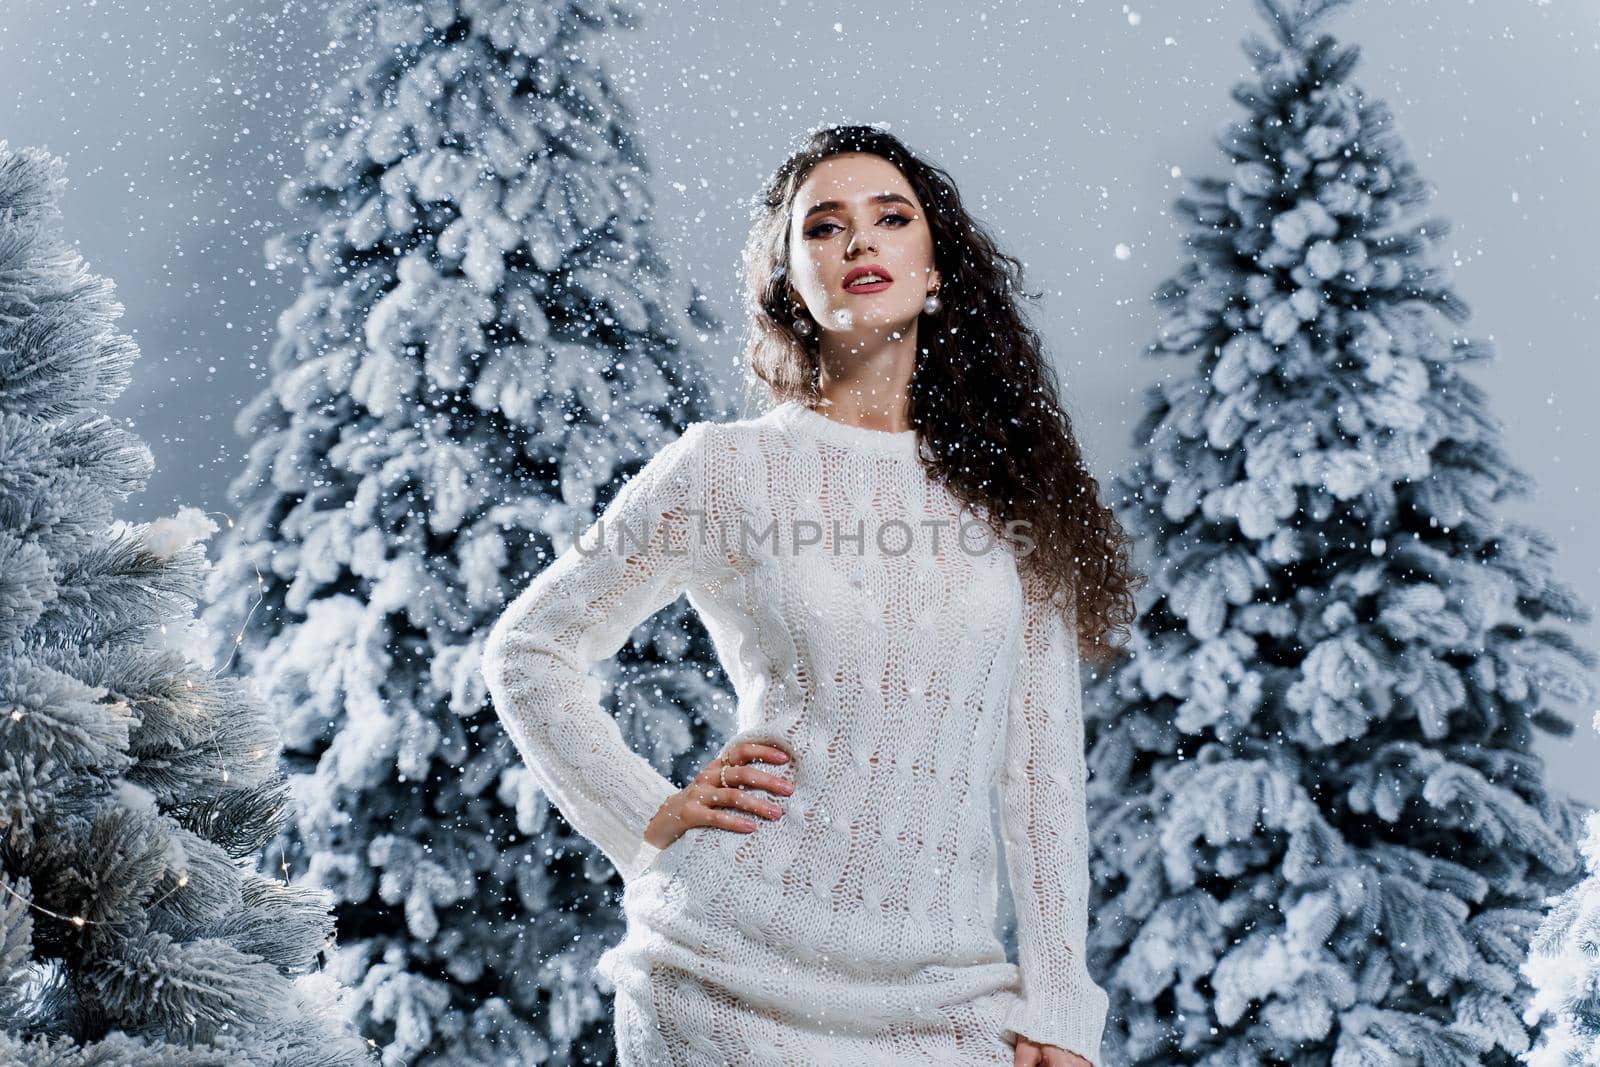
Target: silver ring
pixel 722 776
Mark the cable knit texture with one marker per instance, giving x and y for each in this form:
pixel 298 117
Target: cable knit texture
pixel 896 655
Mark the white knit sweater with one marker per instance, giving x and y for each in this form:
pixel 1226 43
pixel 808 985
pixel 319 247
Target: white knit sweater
pixel 906 671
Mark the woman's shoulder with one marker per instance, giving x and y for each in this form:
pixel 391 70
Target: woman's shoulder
pixel 761 432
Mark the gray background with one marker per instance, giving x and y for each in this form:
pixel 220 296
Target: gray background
pixel 1066 126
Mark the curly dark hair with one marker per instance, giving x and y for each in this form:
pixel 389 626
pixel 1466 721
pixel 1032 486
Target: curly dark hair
pixel 1027 467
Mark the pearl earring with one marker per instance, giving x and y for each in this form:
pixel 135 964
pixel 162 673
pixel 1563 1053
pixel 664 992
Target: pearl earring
pixel 932 304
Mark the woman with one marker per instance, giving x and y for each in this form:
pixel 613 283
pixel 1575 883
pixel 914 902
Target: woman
pixel 899 565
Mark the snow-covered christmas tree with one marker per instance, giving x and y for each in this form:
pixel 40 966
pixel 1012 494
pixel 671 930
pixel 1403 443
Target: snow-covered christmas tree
pixel 136 788
pixel 1320 833
pixel 1564 966
pixel 487 345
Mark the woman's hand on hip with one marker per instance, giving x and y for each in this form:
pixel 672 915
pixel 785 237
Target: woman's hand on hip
pixel 1033 1054
pixel 719 793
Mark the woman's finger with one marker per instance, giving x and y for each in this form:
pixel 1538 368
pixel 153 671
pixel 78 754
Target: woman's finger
pixel 745 775
pixel 725 818
pixel 750 751
pixel 739 798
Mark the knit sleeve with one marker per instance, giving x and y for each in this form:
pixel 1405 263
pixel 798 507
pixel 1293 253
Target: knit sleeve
pixel 1044 821
pixel 633 561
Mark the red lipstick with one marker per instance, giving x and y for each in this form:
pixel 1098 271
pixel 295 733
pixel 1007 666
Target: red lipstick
pixel 886 279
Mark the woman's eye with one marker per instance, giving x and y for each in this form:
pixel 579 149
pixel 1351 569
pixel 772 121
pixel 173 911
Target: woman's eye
pixel 816 231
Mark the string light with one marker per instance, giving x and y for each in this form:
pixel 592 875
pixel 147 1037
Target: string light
pixel 261 585
pixel 75 920
pixel 79 921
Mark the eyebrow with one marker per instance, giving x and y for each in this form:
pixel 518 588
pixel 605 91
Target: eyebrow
pixel 881 198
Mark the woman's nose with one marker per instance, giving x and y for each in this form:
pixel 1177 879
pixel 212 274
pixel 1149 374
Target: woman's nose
pixel 859 240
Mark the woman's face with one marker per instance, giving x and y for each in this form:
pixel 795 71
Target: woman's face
pixel 856 211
